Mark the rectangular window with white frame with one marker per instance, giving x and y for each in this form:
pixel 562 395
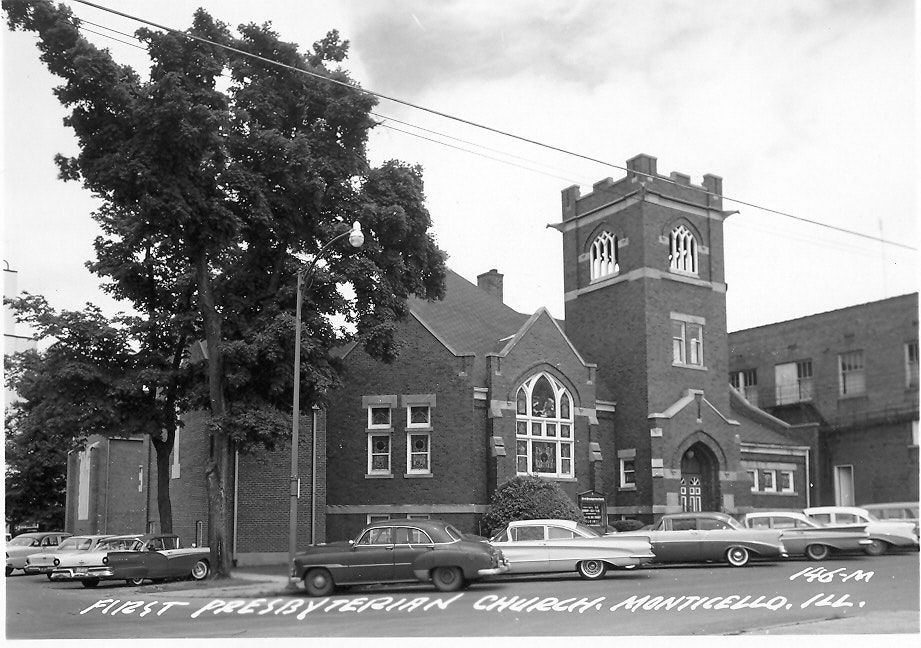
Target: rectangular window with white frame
pixel 911 365
pixel 626 460
pixel 785 481
pixel 852 379
pixel 687 340
pixel 377 517
pixel 380 433
pixel 418 433
pixel 768 481
pixel 753 476
pixel 793 382
pixel 746 383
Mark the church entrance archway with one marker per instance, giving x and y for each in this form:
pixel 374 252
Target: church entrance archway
pixel 699 486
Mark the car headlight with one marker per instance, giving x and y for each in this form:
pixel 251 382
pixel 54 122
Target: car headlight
pixel 27 561
pixel 56 562
pixel 105 560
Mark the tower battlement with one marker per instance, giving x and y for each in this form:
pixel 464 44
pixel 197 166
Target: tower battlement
pixel 642 178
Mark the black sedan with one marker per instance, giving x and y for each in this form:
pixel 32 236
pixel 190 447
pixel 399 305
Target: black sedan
pixel 398 551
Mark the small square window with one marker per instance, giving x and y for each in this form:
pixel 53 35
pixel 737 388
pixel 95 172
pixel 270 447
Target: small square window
pixel 418 416
pixel 378 417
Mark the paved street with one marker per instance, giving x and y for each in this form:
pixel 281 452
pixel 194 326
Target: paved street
pixel 838 596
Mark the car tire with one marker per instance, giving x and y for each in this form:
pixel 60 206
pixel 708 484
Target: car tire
pixel 875 548
pixel 136 582
pixel 737 556
pixel 319 582
pixel 816 552
pixel 447 579
pixel 201 570
pixel 9 570
pixel 90 582
pixel 592 569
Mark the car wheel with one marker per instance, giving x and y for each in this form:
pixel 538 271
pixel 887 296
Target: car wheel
pixel 816 552
pixel 90 582
pixel 592 569
pixel 137 582
pixel 737 556
pixel 875 548
pixel 319 582
pixel 201 570
pixel 447 579
pixel 9 570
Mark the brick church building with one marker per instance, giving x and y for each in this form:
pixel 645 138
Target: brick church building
pixel 628 400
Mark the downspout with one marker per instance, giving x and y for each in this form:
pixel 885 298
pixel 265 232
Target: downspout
pixel 236 491
pixel 808 481
pixel 313 480
pixel 105 512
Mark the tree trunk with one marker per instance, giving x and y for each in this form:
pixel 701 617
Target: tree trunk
pixel 164 504
pixel 217 470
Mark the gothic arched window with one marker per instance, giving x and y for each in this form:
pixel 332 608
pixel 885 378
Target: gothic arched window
pixel 604 255
pixel 682 251
pixel 544 432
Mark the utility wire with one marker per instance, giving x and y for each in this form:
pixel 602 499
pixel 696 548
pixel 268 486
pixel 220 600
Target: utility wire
pixel 489 128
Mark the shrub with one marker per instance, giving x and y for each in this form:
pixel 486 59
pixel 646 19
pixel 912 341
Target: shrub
pixel 528 497
pixel 627 525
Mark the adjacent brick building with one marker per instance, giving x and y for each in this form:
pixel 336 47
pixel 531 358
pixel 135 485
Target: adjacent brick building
pixel 854 373
pixel 626 401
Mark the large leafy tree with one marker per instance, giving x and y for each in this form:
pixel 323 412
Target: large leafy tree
pixel 96 376
pixel 230 172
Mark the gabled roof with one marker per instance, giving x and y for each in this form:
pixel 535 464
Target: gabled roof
pixel 468 319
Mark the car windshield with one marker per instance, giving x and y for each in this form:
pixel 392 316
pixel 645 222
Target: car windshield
pixel 75 544
pixel 23 541
pixel 120 544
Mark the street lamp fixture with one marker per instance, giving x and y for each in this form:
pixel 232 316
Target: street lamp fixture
pixel 356 239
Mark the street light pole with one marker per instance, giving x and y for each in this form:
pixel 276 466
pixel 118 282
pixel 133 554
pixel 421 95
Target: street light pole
pixel 356 239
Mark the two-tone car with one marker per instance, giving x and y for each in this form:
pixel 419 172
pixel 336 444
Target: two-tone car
pixel 84 565
pixel 26 544
pixel 885 534
pixel 398 551
pixel 155 556
pixel 709 537
pixel 548 546
pixel 804 537
pixel 45 562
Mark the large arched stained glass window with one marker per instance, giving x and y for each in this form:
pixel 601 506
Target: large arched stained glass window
pixel 544 419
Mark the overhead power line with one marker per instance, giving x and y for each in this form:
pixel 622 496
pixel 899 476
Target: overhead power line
pixel 490 129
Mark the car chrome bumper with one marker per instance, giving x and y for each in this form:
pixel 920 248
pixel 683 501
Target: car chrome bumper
pixel 493 571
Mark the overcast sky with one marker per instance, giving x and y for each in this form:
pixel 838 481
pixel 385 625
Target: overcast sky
pixel 805 107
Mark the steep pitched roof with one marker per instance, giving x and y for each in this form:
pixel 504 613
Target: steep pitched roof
pixel 468 319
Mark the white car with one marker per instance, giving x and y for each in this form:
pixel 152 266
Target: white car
pixel 26 544
pixel 45 562
pixel 805 537
pixel 883 533
pixel 79 564
pixel 545 546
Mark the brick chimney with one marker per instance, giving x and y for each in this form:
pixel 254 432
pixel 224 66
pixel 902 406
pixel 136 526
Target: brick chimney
pixel 491 282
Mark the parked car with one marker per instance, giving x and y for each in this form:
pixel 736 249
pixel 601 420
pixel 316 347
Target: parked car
pixel 398 551
pixel 85 564
pixel 885 534
pixel 46 561
pixel 901 511
pixel 804 537
pixel 26 544
pixel 156 557
pixel 544 546
pixel 709 537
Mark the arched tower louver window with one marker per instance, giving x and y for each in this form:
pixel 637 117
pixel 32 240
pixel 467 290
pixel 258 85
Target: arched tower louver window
pixel 604 255
pixel 682 250
pixel 544 432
